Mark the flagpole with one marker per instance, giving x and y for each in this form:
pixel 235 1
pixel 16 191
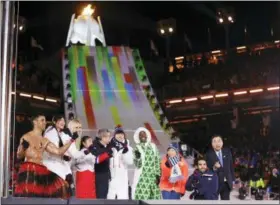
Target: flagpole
pixel 167 41
pixel 272 33
pixel 9 101
pixel 6 25
pixel 185 48
pixel 209 38
pixel 227 38
pixel 245 35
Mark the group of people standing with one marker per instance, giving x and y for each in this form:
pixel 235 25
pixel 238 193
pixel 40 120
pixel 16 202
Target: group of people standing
pixel 59 162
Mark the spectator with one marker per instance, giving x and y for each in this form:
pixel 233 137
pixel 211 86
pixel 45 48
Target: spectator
pixel 220 160
pixel 174 173
pixel 256 183
pixel 203 182
pixel 274 183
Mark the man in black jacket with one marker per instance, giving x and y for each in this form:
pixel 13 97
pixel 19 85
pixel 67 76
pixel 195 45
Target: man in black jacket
pixel 103 153
pixel 220 160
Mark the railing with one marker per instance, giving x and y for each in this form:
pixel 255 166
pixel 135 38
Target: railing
pixel 177 91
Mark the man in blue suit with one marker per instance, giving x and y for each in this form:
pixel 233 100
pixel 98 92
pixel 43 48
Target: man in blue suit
pixel 220 160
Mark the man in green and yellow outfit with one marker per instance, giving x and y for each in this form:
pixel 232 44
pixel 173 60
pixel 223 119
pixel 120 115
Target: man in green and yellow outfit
pixel 147 172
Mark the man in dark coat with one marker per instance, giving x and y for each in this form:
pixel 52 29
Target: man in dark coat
pixel 220 160
pixel 103 153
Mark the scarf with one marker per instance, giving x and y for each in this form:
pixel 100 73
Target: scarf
pixel 118 145
pixel 176 173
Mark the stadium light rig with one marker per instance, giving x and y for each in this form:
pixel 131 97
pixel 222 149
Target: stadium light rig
pixel 225 16
pixel 20 25
pixel 166 27
pixel 170 31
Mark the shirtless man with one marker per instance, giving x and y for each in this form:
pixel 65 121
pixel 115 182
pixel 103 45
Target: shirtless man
pixel 34 179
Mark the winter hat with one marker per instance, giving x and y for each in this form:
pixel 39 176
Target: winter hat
pixel 174 147
pixel 119 130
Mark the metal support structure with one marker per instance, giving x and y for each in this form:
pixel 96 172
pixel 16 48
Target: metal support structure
pixel 6 25
pixel 167 53
pixel 1 23
pixel 9 100
pixel 227 37
pixel 166 28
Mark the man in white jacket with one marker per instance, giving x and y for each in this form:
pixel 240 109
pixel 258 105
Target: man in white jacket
pixel 122 158
pixel 59 136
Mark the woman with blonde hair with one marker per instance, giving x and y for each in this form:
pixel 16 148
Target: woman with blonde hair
pixel 58 134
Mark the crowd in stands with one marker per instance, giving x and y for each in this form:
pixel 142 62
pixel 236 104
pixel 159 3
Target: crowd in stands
pixel 256 154
pixel 259 170
pixel 237 71
pixel 38 80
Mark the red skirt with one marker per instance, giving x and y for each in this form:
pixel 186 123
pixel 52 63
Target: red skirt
pixel 36 180
pixel 85 185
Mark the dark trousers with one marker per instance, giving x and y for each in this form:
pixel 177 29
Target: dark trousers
pixel 199 197
pixel 224 191
pixel 69 179
pixel 102 185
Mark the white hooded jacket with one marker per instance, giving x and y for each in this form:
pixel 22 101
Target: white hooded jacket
pixel 118 186
pixel 138 171
pixel 56 163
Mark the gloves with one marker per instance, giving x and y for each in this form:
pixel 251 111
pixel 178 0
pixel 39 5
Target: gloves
pixel 192 195
pixel 167 164
pixel 110 151
pixel 92 150
pixel 75 135
pixel 196 184
pixel 86 152
pixel 66 158
pixel 25 144
pixel 137 154
pixel 125 150
pixel 157 180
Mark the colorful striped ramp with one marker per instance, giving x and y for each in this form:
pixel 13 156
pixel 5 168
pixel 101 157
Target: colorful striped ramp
pixel 107 91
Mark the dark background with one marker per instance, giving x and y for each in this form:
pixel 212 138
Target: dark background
pixel 134 23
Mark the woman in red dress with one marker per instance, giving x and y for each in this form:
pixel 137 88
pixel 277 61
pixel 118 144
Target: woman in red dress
pixel 85 176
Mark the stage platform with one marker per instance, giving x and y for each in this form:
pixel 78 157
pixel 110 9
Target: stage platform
pixel 233 201
pixel 13 200
pixel 72 200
